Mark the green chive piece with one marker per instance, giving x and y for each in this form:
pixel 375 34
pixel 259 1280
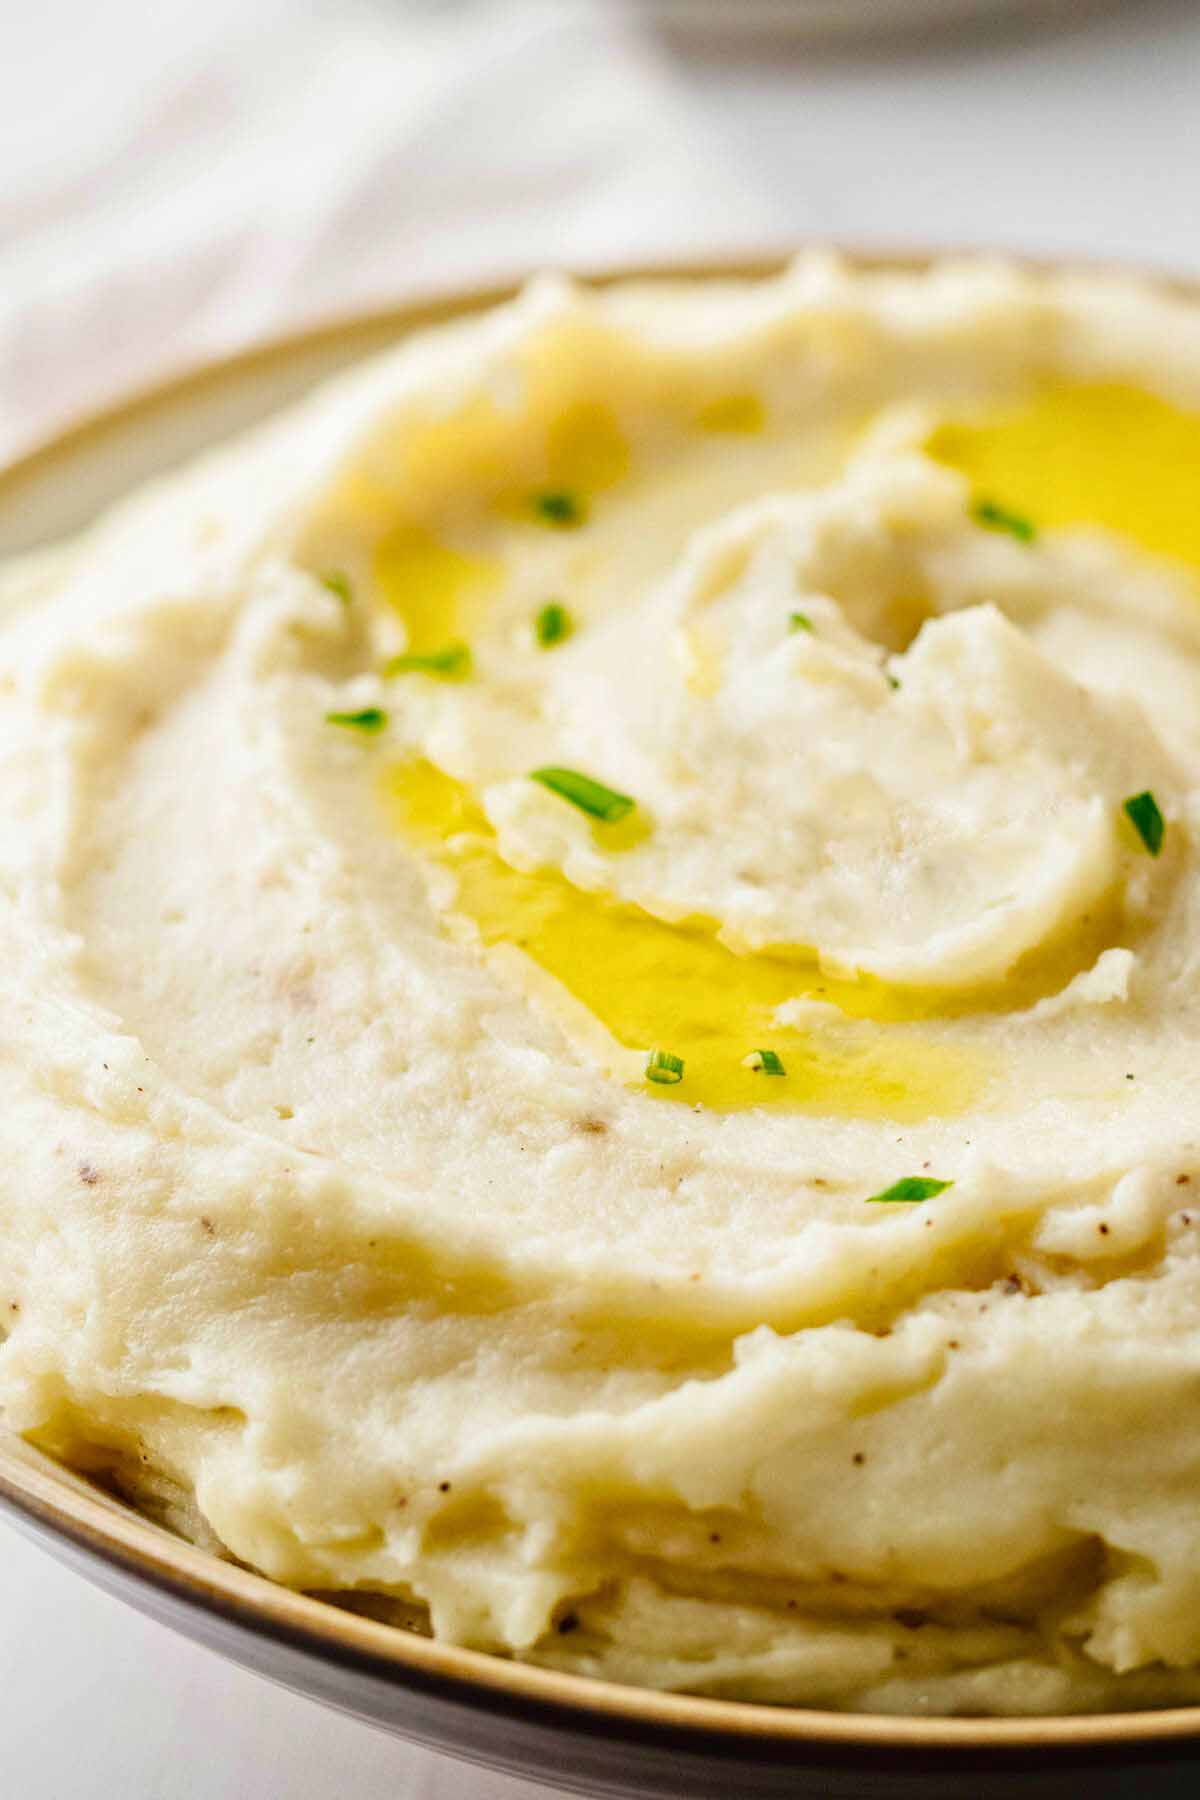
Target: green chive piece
pixel 664 1068
pixel 588 795
pixel 911 1187
pixel 1147 820
pixel 558 507
pixel 338 584
pixel 765 1062
pixel 552 624
pixel 371 719
pixel 449 664
pixel 798 621
pixel 998 518
pixel 893 682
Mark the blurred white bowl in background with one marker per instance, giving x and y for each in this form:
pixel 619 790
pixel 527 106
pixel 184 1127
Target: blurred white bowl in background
pixel 831 19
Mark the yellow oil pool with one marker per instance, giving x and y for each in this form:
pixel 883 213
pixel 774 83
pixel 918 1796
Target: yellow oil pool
pixel 1088 454
pixel 441 594
pixel 444 593
pixel 739 415
pixel 678 988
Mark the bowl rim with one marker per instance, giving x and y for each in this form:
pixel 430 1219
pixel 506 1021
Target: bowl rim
pixel 58 1502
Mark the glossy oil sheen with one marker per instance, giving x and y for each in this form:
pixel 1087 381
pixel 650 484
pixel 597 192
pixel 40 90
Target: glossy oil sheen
pixel 1085 455
pixel 677 987
pixel 439 592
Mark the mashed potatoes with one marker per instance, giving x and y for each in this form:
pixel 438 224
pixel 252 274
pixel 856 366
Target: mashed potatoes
pixel 601 989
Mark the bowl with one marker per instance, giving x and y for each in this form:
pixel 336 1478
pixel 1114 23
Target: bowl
pixel 580 1736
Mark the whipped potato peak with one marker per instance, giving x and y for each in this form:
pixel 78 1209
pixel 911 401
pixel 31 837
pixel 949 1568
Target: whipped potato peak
pixel 601 989
pixel 928 816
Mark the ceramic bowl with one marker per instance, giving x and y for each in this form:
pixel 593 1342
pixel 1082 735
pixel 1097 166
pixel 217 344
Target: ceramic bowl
pixel 580 1736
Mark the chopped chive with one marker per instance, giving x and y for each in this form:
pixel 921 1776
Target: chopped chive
pixel 1147 820
pixel 664 1068
pixel 799 621
pixel 892 681
pixel 998 518
pixel 451 663
pixel 559 507
pixel 553 624
pixel 588 795
pixel 911 1187
pixel 765 1062
pixel 370 719
pixel 338 585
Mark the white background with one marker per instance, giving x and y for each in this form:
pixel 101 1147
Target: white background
pixel 180 176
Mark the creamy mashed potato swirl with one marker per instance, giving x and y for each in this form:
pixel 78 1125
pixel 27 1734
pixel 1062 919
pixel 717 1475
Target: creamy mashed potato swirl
pixel 733 1234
